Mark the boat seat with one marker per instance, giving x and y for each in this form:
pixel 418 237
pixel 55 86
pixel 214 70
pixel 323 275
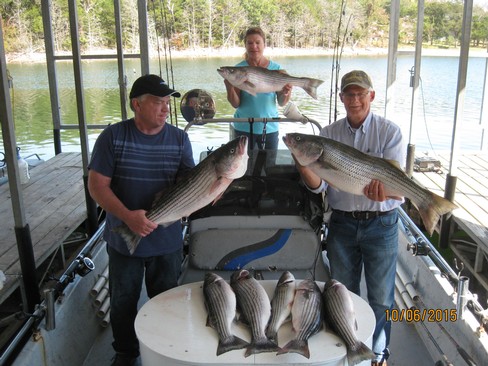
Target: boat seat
pixel 267 245
pixel 259 249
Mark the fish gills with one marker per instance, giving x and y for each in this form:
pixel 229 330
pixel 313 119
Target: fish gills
pixel 340 315
pixel 253 302
pixel 255 80
pixel 350 170
pixel 307 317
pixel 202 185
pixel 281 304
pixel 220 302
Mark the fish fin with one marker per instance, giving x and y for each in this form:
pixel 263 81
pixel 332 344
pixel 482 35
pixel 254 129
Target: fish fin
pixel 217 198
pixel 311 87
pixel 131 239
pixel 395 163
pixel 262 346
pixel 296 346
pixel 166 224
pixel 231 344
pixel 360 352
pixel 431 210
pixel 250 88
pixel 396 198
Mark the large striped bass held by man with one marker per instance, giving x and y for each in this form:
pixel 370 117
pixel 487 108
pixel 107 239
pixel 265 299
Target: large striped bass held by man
pixel 254 305
pixel 306 317
pixel 254 79
pixel 350 170
pixel 220 302
pixel 204 184
pixel 339 314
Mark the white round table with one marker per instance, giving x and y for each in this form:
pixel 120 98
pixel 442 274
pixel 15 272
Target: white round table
pixel 171 329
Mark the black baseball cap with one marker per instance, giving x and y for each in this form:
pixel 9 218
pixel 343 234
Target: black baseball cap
pixel 151 84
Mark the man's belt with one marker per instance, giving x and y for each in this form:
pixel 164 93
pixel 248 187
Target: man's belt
pixel 363 215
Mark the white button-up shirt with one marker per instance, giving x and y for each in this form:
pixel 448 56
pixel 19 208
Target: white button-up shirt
pixel 377 137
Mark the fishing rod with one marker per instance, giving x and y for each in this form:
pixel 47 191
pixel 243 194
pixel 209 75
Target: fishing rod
pixel 338 68
pixel 334 61
pixel 166 32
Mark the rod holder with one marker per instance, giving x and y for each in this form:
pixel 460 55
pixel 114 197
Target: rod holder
pixel 49 295
pixel 462 296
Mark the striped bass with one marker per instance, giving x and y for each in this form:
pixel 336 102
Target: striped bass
pixel 340 316
pixel 350 170
pixel 281 304
pixel 220 302
pixel 253 302
pixel 205 183
pixel 307 317
pixel 255 80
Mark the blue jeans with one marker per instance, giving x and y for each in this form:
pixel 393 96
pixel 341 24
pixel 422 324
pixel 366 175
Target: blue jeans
pixel 126 275
pixel 270 143
pixel 352 244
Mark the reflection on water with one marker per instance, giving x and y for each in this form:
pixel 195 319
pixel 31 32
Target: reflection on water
pixel 432 121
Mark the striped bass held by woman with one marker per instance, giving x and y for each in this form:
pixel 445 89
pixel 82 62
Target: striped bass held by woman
pixel 256 80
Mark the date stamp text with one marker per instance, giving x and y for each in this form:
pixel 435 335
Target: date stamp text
pixel 421 315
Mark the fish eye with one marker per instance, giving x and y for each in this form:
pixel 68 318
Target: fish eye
pixel 232 151
pixel 298 138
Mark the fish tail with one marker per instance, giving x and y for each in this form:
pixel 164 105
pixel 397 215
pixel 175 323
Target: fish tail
pixel 299 346
pixel 431 210
pixel 263 346
pixel 131 239
pixel 231 344
pixel 272 336
pixel 311 87
pixel 360 353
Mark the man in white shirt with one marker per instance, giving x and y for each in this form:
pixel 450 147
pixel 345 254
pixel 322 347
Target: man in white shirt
pixel 363 230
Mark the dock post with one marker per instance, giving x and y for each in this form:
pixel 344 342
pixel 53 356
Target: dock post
pixel 446 222
pixel 28 266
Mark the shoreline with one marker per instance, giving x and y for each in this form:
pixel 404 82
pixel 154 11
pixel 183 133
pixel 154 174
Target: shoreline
pixel 269 52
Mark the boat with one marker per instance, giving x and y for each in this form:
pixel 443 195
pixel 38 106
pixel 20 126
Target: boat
pixel 437 319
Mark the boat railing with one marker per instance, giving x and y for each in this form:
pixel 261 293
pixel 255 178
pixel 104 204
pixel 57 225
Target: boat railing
pixel 420 245
pixel 81 265
pixel 198 108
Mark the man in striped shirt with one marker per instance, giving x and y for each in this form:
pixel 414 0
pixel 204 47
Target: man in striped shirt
pixel 132 161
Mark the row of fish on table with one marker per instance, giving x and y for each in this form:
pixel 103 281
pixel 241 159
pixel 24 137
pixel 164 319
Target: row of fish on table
pixel 301 300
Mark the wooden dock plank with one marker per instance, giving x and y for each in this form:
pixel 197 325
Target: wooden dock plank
pixel 54 206
pixel 471 196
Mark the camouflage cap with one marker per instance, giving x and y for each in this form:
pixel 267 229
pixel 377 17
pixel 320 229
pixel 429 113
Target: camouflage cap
pixel 356 77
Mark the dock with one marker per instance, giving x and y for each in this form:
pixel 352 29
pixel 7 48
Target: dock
pixel 471 196
pixel 54 201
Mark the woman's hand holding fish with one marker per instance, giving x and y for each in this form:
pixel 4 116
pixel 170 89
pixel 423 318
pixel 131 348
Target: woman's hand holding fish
pixel 139 223
pixel 284 94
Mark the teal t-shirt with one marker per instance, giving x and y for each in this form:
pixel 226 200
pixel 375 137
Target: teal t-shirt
pixel 263 105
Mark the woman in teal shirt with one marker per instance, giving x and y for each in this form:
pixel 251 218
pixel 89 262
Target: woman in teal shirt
pixel 263 105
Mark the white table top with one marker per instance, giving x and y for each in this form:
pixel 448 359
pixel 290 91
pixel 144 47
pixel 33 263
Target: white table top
pixel 172 330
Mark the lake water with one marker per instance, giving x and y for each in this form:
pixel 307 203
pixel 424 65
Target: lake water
pixel 432 121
